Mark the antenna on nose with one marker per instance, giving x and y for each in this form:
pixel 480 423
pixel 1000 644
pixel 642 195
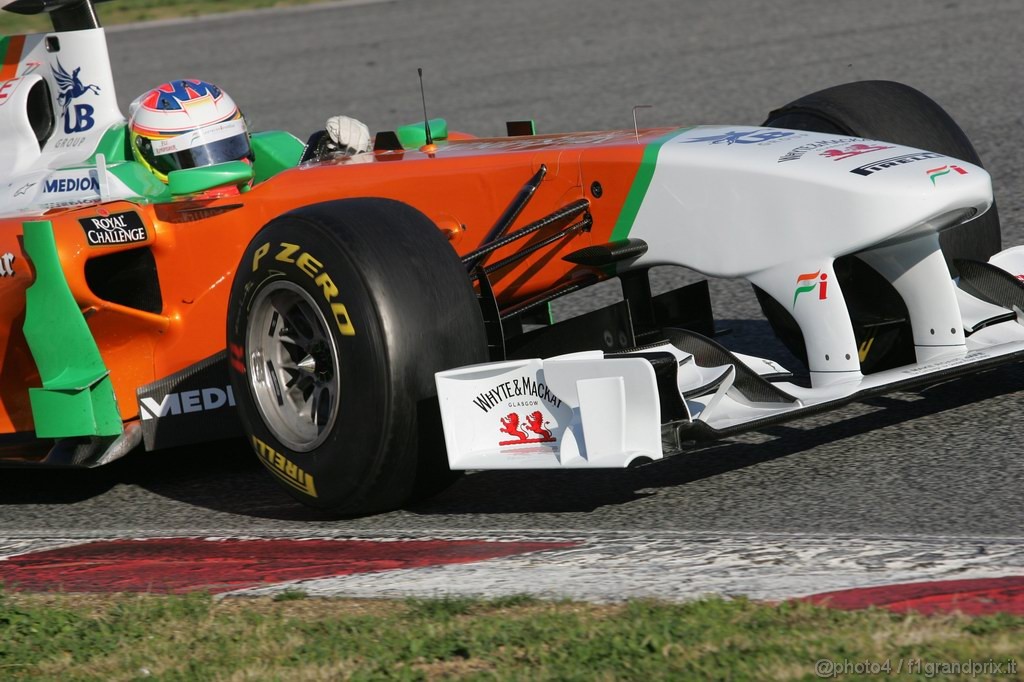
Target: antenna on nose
pixel 636 129
pixel 429 146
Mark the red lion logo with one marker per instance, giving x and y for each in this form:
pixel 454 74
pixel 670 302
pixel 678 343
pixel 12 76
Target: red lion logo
pixel 534 423
pixel 510 425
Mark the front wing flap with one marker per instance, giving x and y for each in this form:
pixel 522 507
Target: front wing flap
pixel 573 411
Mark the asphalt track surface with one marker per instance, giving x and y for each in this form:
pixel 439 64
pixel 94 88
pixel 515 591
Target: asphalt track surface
pixel 947 465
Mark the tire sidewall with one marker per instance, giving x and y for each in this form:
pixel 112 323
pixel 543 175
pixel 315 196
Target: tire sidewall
pixel 302 252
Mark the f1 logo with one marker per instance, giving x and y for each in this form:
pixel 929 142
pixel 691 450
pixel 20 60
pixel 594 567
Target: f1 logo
pixel 83 119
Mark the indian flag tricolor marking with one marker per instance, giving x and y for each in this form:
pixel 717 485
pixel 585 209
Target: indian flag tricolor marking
pixel 935 173
pixel 10 55
pixel 808 282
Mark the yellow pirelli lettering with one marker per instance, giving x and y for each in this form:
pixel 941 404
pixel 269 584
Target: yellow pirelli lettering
pixel 261 447
pixel 323 280
pixel 343 320
pixel 285 469
pixel 260 253
pixel 312 267
pixel 285 254
pixel 308 264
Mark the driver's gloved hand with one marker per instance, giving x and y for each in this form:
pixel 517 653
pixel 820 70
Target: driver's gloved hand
pixel 350 135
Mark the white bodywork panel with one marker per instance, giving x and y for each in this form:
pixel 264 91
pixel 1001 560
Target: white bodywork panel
pixel 82 90
pixel 777 207
pixel 740 208
pixel 81 87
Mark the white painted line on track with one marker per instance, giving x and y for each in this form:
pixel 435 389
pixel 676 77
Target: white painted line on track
pixel 9 548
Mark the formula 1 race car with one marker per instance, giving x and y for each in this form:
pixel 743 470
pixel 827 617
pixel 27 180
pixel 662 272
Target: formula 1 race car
pixel 375 324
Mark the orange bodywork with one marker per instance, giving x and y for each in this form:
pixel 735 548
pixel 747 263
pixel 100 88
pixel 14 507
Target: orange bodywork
pixel 463 187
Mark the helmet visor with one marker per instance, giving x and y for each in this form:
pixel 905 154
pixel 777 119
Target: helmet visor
pixel 232 149
pixel 227 141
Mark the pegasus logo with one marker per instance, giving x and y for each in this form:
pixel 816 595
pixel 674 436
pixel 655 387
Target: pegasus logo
pixel 741 137
pixel 71 88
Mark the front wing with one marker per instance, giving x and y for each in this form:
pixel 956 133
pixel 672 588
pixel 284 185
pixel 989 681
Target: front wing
pixel 611 410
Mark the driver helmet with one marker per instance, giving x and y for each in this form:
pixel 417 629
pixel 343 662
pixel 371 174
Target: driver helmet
pixel 186 124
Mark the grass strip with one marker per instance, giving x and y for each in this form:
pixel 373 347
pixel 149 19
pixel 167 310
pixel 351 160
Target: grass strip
pixel 143 10
pixel 113 637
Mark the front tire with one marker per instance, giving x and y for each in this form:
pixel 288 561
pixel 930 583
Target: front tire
pixel 339 316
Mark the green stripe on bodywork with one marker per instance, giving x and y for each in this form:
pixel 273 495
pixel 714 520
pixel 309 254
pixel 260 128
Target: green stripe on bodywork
pixel 4 42
pixel 147 188
pixel 203 178
pixel 274 151
pixel 121 164
pixel 641 183
pixel 141 181
pixel 113 145
pixel 77 397
pixel 414 135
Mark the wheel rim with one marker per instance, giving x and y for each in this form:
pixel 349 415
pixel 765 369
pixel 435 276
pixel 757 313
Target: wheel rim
pixel 293 362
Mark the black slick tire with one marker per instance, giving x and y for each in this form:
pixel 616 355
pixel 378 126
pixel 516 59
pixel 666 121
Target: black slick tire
pixel 398 307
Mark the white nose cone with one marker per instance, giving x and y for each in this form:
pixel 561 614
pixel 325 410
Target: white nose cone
pixel 731 201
